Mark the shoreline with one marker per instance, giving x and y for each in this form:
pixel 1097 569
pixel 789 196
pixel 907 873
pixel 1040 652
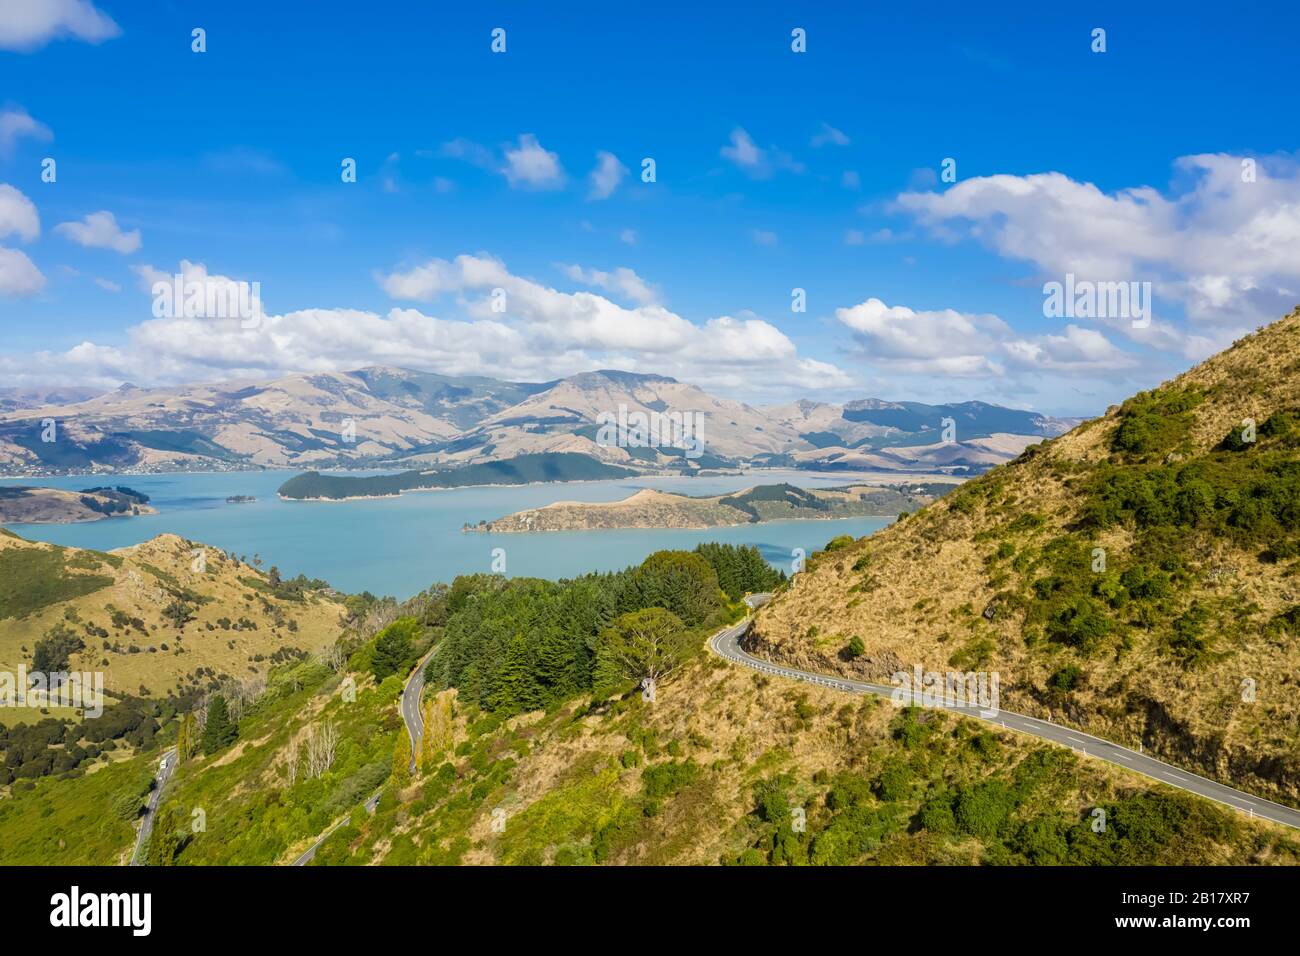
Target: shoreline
pixel 656 527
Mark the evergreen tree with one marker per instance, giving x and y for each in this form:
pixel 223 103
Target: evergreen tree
pixel 515 688
pixel 393 647
pixel 219 731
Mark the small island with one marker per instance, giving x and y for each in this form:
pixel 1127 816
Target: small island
pixel 21 504
pixel 240 499
pixel 520 470
pixel 649 508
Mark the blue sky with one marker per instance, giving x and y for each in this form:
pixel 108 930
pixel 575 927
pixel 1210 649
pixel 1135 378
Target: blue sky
pixel 775 170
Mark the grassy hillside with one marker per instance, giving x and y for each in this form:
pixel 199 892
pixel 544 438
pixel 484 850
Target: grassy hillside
pixel 162 617
pixel 716 771
pixel 724 766
pixel 1136 577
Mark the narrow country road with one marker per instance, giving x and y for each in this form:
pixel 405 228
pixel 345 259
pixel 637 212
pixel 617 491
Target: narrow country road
pixel 410 706
pixel 166 767
pixel 726 643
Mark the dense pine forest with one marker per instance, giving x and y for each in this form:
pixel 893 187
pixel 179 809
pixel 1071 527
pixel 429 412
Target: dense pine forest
pixel 524 643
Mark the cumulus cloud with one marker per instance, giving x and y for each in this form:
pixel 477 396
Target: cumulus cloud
pixel 966 345
pixel 15 124
pixel 18 274
pixel 27 25
pixel 218 290
pixel 100 230
pixel 622 282
pixel 542 333
pixel 604 179
pixel 528 165
pixel 525 164
pixel 1225 246
pixel 18 216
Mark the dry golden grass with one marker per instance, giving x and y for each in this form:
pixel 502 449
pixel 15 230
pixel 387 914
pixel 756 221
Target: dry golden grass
pixel 927 581
pixel 143 579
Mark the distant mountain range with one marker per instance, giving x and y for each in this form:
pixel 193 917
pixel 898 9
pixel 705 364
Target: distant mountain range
pixel 385 417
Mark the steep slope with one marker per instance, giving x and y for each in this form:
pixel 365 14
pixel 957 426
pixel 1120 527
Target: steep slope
pixel 724 766
pixel 1136 577
pixel 163 617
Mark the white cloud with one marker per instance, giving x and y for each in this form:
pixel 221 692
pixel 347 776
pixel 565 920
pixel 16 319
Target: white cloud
pixel 1079 350
pixel 15 124
pixel 108 285
pixel 951 343
pixel 29 24
pixel 18 274
pixel 1225 250
pixel 609 172
pixel 743 152
pixel 469 151
pixel 628 236
pixel 763 237
pixel 531 166
pixel 622 281
pixel 422 283
pixel 754 160
pixel 829 135
pixel 851 180
pixel 218 288
pixel 544 333
pixel 18 215
pixel 854 237
pixel 100 230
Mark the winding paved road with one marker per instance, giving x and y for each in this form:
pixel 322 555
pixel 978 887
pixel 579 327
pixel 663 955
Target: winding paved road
pixel 410 706
pixel 166 767
pixel 726 643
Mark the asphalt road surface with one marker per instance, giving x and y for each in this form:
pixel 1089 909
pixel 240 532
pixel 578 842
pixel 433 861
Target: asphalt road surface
pixel 414 727
pixel 411 706
pixel 166 767
pixel 726 643
pixel 371 802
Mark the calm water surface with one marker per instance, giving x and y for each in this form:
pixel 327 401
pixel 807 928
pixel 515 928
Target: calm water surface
pixel 399 546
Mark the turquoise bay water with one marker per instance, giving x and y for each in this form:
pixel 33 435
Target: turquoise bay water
pixel 401 545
